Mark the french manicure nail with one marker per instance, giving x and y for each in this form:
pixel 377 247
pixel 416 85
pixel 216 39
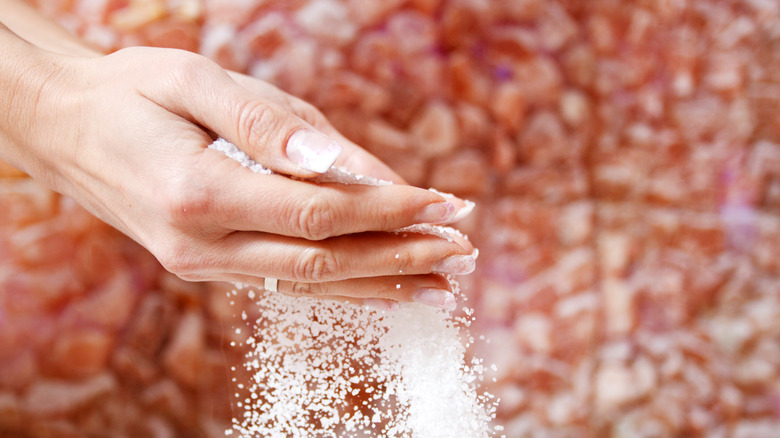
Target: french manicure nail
pixel 464 211
pixel 312 150
pixel 435 213
pixel 456 264
pixel 380 304
pixel 439 298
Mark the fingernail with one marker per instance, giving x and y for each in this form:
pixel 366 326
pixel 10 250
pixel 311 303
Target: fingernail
pixel 436 213
pixel 379 304
pixel 439 298
pixel 464 211
pixel 456 264
pixel 312 150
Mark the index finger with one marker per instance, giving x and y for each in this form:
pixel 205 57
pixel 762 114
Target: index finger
pixel 275 204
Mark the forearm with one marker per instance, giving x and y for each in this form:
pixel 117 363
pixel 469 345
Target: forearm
pixel 30 25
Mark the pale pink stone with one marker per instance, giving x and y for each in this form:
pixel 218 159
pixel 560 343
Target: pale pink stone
pixel 464 174
pixel 434 130
pixel 509 106
pixel 10 417
pixel 47 398
pixel 183 357
pixel 167 398
pixel 81 353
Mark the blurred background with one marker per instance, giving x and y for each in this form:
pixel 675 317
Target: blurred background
pixel 625 161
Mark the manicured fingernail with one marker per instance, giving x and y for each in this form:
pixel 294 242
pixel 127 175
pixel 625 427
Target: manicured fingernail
pixel 439 298
pixel 464 211
pixel 456 264
pixel 312 150
pixel 379 304
pixel 436 213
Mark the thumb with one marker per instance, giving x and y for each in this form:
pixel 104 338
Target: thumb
pixel 264 130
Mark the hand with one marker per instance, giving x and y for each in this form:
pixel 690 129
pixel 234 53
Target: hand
pixel 126 135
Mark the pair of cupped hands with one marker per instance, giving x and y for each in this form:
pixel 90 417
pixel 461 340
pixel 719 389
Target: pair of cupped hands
pixel 127 136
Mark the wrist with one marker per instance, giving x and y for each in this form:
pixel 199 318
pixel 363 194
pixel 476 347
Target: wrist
pixel 32 81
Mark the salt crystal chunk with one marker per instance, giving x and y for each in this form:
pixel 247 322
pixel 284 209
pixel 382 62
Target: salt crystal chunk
pixel 183 357
pixel 47 398
pixel 435 130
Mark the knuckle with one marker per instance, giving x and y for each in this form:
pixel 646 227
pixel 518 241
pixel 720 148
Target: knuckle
pixel 180 260
pixel 316 219
pixel 406 262
pixel 186 200
pixel 316 265
pixel 257 121
pixel 301 289
pixel 186 69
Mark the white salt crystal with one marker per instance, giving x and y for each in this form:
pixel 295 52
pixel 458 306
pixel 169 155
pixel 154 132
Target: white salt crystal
pixel 406 367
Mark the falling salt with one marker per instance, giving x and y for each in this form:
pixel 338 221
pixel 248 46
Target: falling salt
pixel 333 369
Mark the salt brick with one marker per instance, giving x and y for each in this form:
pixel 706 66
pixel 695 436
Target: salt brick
pixel 602 33
pixel 509 106
pixel 266 35
pixel 476 128
pixel 556 28
pixel 110 306
pixel 132 366
pixel 327 20
pixel 540 79
pixel 137 14
pixel 222 44
pixel 615 387
pixel 25 201
pixel 435 130
pixel 151 325
pixel 532 331
pixel 619 307
pixel 516 41
pixel 579 65
pixel 544 141
pixel 46 398
pixel 467 82
pixel 10 417
pixel 183 357
pixel 504 153
pixel 463 174
pixel 20 369
pixel 173 34
pixel 368 14
pixel 158 427
pixel 167 398
pixel 81 353
pixel 384 135
pixel 754 371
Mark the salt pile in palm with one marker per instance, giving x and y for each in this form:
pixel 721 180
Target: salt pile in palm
pixel 327 368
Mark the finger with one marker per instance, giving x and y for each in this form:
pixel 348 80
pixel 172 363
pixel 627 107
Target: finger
pixel 265 130
pixel 353 158
pixel 432 290
pixel 335 259
pixel 275 204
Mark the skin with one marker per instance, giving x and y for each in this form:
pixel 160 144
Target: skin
pixel 126 136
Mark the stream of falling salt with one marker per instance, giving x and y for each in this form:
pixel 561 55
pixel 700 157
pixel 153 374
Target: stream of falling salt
pixel 324 368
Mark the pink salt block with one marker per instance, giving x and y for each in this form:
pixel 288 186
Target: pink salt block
pixel 46 398
pixel 80 353
pixel 435 130
pixel 509 106
pixel 464 174
pixel 183 357
pixel 10 415
pixel 110 306
pixel 173 34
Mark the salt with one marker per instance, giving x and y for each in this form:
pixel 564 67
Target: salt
pixel 329 368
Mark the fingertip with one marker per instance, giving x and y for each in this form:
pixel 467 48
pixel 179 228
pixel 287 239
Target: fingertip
pixel 312 151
